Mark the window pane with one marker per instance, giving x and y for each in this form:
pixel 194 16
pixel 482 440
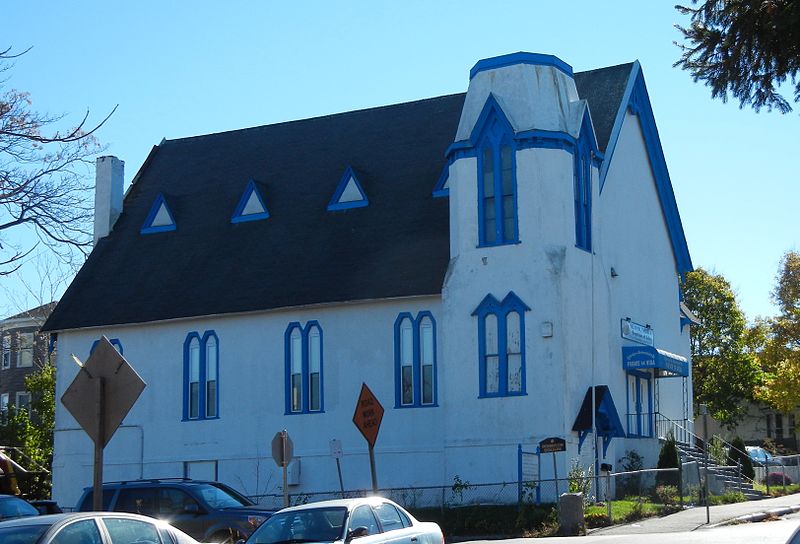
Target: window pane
pixel 513 337
pixel 314 396
pixel 296 392
pixel 314 350
pixel 488 172
pixel 194 400
pixel 427 384
pixel 25 350
pixel 194 360
pixel 491 335
pixel 492 374
pixel 509 223
pixel 296 355
pixel 507 170
pixel 211 398
pixel 426 341
pixel 406 343
pixel 489 220
pixel 211 358
pixel 390 518
pixel 407 385
pixel 514 373
pixel 84 531
pixel 128 531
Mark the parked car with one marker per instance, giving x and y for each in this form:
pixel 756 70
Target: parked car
pixel 371 520
pixel 91 528
pixel 13 507
pixel 762 457
pixel 46 506
pixel 208 511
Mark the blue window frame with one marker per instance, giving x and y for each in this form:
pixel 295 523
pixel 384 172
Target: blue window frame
pixel 497 178
pixel 304 364
pixel 251 206
pixel 415 360
pixel 583 196
pixel 201 376
pixel 501 345
pixel 160 218
pixel 113 341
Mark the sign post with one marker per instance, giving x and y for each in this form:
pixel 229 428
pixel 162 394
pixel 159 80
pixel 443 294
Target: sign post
pixel 336 453
pixel 99 398
pixel 368 417
pixel 553 445
pixel 282 453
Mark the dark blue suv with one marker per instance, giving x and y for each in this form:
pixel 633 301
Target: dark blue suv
pixel 208 511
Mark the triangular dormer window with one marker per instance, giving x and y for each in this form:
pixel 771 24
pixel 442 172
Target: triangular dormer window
pixel 251 206
pixel 160 218
pixel 348 194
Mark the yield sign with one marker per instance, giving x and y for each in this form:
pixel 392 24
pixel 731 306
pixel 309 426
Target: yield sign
pixel 368 415
pixel 106 384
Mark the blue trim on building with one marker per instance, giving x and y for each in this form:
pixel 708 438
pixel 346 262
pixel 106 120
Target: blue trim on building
pixel 491 306
pixel 147 226
pixel 305 387
pixel 441 189
pixel 237 216
pixel 493 132
pixel 521 57
pixel 202 412
pixel 335 205
pixel 113 341
pixel 637 100
pixel 582 157
pixel 418 386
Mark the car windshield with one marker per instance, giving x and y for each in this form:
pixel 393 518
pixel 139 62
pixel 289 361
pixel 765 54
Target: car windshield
pixel 217 497
pixel 12 507
pixel 298 526
pixel 22 534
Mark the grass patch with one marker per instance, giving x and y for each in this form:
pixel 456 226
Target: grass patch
pixel 628 510
pixel 777 490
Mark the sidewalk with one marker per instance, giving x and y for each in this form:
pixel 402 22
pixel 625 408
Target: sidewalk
pixel 695 518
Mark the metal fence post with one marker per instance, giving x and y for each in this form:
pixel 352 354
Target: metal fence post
pixel 519 475
pixel 680 483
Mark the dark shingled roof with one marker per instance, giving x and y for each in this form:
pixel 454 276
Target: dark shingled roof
pixel 302 254
pixel 603 89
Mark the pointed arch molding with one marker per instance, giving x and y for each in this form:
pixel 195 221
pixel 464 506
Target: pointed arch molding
pixel 251 206
pixel 160 218
pixel 349 193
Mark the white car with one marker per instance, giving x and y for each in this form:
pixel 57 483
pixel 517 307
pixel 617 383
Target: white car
pixel 91 528
pixel 368 521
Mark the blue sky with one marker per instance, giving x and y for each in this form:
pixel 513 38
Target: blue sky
pixel 183 68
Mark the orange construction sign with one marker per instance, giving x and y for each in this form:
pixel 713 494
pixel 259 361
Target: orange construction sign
pixel 368 415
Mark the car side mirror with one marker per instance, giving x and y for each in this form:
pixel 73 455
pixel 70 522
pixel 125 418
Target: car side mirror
pixel 358 532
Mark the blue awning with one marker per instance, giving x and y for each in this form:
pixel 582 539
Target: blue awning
pixel 644 357
pixel 606 418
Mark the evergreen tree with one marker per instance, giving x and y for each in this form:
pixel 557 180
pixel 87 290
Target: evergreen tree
pixel 668 458
pixel 747 48
pixel 738 454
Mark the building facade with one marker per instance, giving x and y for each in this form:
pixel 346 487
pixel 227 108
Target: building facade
pixel 23 350
pixel 499 267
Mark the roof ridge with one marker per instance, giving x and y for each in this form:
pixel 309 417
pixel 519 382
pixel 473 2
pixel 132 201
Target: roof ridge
pixel 315 118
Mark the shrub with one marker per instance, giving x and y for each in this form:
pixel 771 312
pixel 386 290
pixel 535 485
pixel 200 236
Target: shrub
pixel 738 454
pixel 596 519
pixel 778 478
pixel 666 494
pixel 668 458
pixel 580 480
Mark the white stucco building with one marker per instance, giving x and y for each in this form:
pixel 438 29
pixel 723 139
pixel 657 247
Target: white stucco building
pixel 479 260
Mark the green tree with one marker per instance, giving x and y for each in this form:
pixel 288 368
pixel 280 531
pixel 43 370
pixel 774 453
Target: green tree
pixel 32 433
pixel 747 48
pixel 738 454
pixel 668 458
pixel 724 368
pixel 780 356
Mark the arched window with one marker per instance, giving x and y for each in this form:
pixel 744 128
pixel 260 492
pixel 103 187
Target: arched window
pixel 501 343
pixel 415 360
pixel 201 372
pixel 304 368
pixel 497 184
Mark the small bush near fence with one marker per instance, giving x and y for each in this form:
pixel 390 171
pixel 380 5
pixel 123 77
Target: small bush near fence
pixel 778 478
pixel 503 520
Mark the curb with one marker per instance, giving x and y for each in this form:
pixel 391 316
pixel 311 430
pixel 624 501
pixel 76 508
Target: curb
pixel 759 516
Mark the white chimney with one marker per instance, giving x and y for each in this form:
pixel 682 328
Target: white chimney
pixel 109 180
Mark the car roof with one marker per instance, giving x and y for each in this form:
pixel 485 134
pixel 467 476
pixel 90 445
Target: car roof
pixel 52 519
pixel 338 503
pixel 165 481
